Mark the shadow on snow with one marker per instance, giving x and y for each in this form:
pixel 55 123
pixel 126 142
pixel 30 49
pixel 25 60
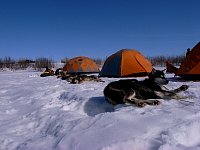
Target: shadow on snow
pixel 97 105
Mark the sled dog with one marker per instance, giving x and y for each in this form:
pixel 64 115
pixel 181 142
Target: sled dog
pixel 139 93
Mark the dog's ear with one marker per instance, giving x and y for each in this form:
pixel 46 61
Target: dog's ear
pixel 153 70
pixel 152 73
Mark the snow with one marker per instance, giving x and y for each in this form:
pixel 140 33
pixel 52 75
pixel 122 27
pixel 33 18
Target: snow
pixel 49 113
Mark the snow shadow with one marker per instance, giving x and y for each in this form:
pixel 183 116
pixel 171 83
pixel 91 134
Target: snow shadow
pixel 177 79
pixel 97 105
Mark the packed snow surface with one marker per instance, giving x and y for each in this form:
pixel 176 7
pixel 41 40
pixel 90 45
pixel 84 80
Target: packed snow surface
pixel 49 113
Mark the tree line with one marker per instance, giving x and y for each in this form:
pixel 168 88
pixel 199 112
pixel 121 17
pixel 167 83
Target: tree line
pixel 161 60
pixel 41 63
pixel 23 63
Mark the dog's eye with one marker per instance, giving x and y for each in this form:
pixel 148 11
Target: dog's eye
pixel 162 76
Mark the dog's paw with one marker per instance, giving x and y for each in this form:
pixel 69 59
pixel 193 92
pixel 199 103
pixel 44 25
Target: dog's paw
pixel 152 102
pixel 156 102
pixel 141 104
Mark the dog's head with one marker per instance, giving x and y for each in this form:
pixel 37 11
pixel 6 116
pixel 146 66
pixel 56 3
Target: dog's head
pixel 158 77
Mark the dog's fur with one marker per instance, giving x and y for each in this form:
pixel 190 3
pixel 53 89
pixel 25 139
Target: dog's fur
pixel 77 79
pixel 81 78
pixel 138 93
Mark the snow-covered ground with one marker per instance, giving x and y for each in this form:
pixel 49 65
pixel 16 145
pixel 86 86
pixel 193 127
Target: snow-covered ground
pixel 49 113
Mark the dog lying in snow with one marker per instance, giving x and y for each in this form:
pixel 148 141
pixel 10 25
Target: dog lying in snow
pixel 81 78
pixel 77 79
pixel 138 93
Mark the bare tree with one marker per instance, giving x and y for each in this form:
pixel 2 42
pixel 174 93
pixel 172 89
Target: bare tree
pixel 24 63
pixel 43 62
pixel 98 61
pixel 1 64
pixel 8 62
pixel 161 60
pixel 64 60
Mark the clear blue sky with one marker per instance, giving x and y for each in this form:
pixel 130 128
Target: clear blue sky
pixel 97 28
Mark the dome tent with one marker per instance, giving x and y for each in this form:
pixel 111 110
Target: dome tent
pixel 81 64
pixel 126 63
pixel 190 67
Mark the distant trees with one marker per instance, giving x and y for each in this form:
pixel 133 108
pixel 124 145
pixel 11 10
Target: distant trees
pixel 42 62
pixel 99 61
pixel 7 62
pixel 1 64
pixel 24 63
pixel 64 60
pixel 161 60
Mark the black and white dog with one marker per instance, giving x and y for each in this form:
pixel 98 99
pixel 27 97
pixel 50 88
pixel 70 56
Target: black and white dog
pixel 138 93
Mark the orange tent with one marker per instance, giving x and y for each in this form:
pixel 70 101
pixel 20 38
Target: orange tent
pixel 190 67
pixel 81 65
pixel 126 63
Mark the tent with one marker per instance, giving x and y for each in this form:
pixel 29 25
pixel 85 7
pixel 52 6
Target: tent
pixel 81 65
pixel 190 67
pixel 126 63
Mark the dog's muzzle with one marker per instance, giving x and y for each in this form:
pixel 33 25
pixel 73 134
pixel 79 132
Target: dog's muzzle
pixel 161 81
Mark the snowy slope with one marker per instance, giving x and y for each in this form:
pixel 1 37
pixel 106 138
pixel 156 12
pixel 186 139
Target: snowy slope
pixel 49 113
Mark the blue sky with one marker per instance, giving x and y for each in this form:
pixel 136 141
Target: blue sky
pixel 97 28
